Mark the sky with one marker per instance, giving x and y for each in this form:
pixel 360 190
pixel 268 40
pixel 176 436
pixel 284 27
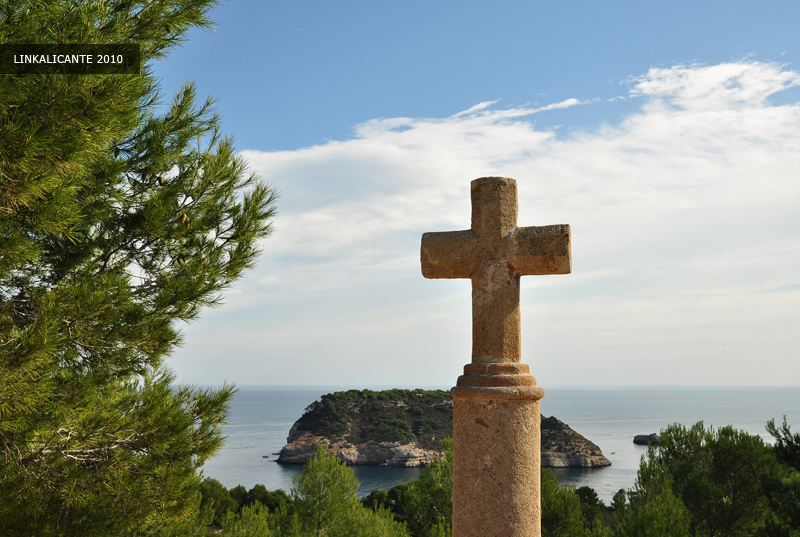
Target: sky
pixel 666 134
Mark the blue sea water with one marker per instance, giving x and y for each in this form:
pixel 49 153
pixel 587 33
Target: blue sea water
pixel 261 417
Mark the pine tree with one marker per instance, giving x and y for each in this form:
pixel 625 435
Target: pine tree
pixel 561 508
pixel 783 486
pixel 429 498
pixel 253 521
pixel 116 223
pixel 325 494
pixel 654 510
pixel 717 474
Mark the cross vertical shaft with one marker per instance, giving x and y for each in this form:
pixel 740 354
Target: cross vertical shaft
pixel 495 284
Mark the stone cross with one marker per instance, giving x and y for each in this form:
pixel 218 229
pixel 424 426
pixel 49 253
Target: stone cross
pixel 496 416
pixel 494 254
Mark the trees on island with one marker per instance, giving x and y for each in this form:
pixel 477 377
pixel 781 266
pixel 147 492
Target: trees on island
pixel 116 223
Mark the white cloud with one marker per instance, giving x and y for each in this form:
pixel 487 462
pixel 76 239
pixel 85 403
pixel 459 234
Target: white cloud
pixel 716 87
pixel 684 220
pixel 563 104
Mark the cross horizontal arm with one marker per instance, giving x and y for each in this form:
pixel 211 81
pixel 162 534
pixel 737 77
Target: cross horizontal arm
pixel 542 250
pixel 450 254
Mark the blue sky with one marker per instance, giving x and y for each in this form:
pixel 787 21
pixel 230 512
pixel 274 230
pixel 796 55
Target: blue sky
pixel 666 134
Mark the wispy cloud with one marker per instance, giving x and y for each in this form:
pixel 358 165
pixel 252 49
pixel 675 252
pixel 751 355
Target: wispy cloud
pixel 684 221
pixel 715 87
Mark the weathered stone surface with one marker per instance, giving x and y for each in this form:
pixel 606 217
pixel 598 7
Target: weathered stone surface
pixel 496 488
pixel 494 253
pixel 496 451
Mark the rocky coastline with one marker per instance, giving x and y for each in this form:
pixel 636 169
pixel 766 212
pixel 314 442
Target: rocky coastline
pixel 383 454
pixel 562 447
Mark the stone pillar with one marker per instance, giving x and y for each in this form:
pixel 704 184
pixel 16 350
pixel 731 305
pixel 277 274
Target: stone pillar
pixel 496 452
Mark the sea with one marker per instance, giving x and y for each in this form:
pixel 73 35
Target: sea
pixel 261 417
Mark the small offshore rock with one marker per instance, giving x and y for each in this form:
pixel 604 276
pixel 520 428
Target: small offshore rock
pixel 645 439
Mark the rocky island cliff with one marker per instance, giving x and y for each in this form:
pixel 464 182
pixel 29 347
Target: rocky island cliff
pixel 406 428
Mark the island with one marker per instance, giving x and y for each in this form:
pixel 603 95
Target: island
pixel 405 428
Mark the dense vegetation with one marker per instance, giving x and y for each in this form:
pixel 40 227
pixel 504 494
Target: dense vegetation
pixel 323 501
pixel 363 416
pixel 699 482
pixel 118 222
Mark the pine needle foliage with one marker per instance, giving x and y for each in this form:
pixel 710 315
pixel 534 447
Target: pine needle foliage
pixel 117 222
pixel 324 496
